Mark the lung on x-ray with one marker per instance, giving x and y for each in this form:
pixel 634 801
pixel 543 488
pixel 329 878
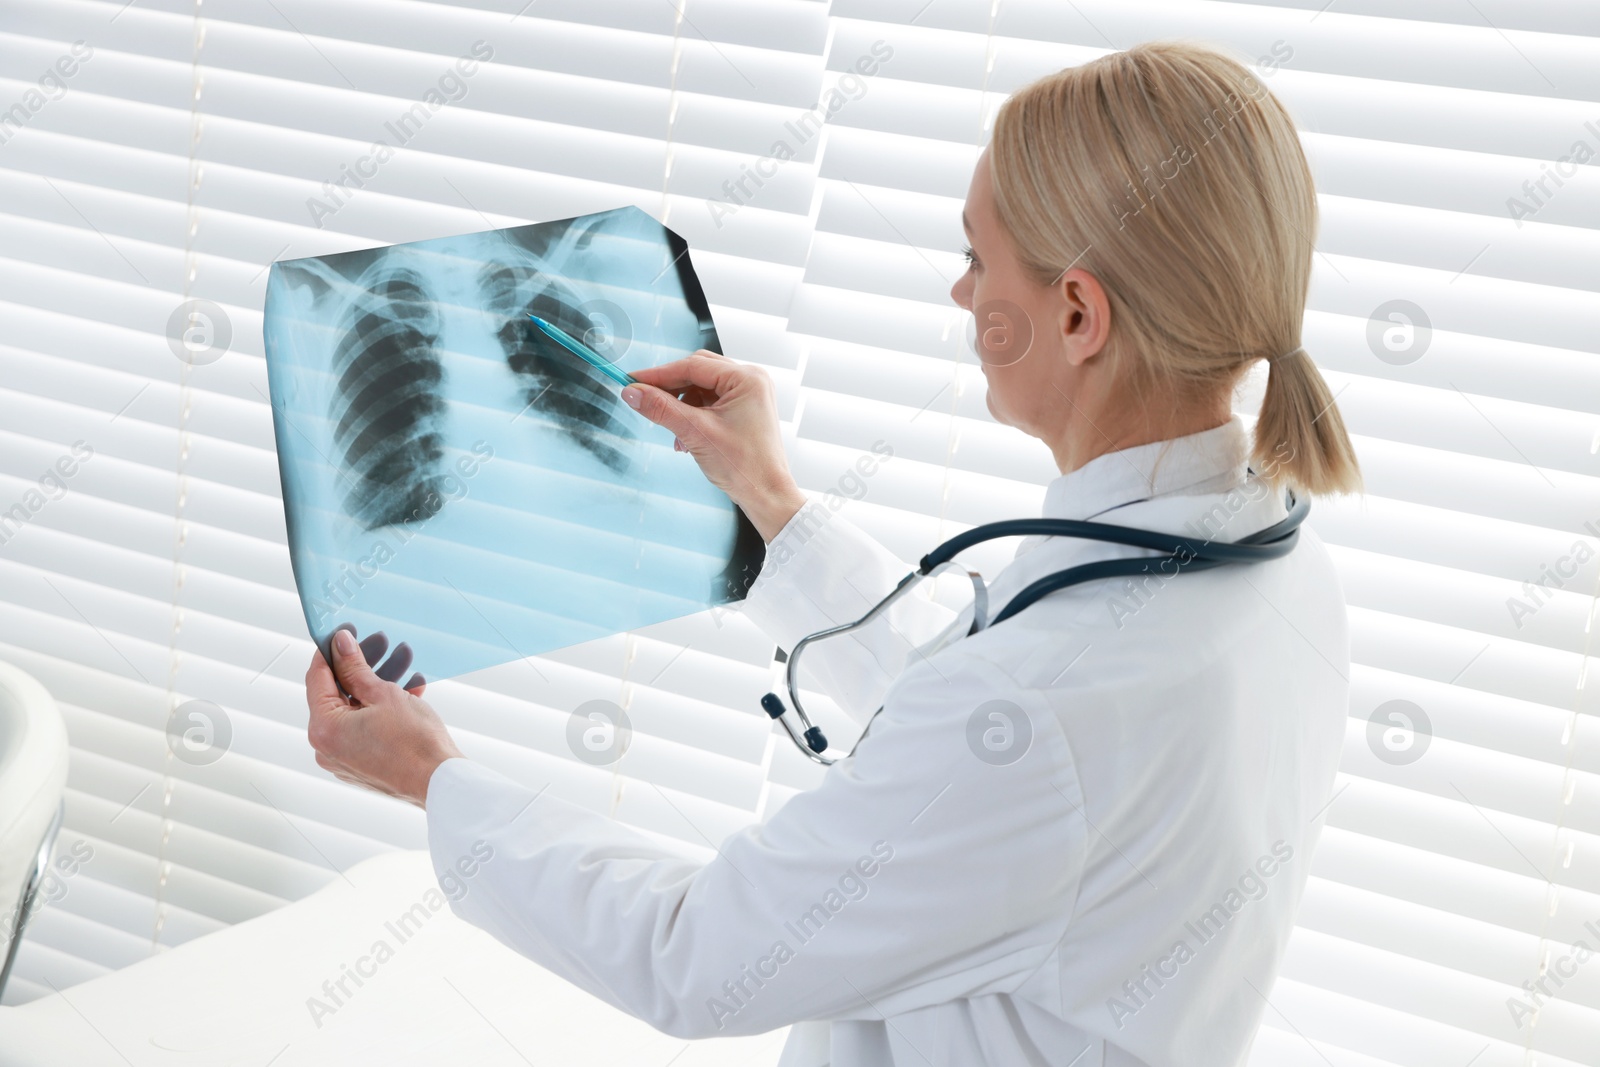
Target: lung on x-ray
pixel 456 479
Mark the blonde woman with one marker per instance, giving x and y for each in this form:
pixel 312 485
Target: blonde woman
pixel 1077 837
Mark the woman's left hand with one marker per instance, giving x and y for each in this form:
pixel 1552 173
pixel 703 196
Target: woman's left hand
pixel 383 737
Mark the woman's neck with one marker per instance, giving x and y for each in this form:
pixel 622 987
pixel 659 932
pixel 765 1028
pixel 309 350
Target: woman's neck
pixel 1087 436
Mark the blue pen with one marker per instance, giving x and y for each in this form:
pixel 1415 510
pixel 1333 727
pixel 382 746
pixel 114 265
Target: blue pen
pixel 582 351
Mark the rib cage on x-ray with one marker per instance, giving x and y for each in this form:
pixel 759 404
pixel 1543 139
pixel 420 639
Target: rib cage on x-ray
pixel 555 383
pixel 388 407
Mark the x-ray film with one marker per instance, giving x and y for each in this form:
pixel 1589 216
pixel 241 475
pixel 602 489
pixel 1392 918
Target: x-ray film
pixel 455 478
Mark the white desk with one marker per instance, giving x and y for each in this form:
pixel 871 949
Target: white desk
pixel 448 994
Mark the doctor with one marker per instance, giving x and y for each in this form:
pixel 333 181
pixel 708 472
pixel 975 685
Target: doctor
pixel 1077 837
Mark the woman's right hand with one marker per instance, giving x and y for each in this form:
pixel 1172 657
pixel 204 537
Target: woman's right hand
pixel 725 415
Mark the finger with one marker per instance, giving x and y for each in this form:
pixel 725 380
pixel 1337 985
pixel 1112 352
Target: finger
pixel 416 685
pixel 344 626
pixel 351 667
pixel 698 398
pixel 351 628
pixel 373 648
pixel 703 370
pixel 666 410
pixel 322 688
pixel 398 663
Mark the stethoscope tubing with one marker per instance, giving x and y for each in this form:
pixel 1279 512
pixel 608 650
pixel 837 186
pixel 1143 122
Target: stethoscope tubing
pixel 1182 553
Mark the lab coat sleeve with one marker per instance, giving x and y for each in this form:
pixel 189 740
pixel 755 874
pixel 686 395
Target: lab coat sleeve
pixel 918 872
pixel 821 570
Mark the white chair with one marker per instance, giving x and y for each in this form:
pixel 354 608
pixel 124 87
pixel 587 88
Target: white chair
pixel 33 776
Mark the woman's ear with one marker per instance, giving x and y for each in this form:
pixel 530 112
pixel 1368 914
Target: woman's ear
pixel 1085 318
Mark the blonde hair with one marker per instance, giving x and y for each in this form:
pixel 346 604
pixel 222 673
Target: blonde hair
pixel 1175 178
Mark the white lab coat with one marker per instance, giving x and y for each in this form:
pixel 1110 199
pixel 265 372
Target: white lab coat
pixel 1120 894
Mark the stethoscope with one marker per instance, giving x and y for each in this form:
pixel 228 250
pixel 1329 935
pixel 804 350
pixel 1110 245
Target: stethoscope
pixel 1181 554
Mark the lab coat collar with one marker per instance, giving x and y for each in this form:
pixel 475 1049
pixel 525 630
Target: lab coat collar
pixel 1211 461
pixel 1178 486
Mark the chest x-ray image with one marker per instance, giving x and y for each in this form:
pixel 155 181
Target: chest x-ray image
pixel 455 478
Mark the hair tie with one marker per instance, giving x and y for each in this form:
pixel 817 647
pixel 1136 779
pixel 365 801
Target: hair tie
pixel 1285 355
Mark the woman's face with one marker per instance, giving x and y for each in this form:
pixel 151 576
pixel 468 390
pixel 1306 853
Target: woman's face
pixel 1007 310
pixel 1043 350
pixel 1035 342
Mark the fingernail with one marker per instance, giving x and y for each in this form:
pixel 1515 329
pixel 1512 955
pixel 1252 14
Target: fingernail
pixel 630 396
pixel 344 642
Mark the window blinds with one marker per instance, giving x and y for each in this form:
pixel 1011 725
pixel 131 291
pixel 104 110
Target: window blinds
pixel 184 155
pixel 815 156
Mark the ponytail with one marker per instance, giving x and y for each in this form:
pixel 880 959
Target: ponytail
pixel 1300 439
